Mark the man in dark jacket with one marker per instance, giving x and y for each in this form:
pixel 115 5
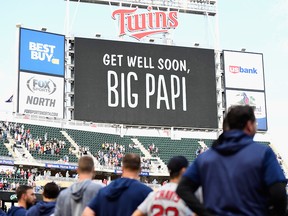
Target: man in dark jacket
pixel 122 196
pixel 26 198
pixel 47 206
pixel 238 176
pixel 2 213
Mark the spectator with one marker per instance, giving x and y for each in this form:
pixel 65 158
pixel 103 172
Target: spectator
pixel 13 186
pixel 26 198
pixel 47 206
pixel 238 176
pixel 72 201
pixel 122 196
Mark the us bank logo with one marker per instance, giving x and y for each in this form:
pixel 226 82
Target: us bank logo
pixel 243 70
pixel 41 52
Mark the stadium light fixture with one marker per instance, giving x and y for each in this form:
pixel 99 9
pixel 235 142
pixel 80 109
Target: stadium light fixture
pixel 43 29
pixel 184 6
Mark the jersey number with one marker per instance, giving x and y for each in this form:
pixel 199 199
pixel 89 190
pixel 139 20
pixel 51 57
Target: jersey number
pixel 162 211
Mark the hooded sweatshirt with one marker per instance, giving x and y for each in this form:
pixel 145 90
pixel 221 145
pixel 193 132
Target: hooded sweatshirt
pixel 120 198
pixel 42 209
pixel 235 174
pixel 2 213
pixel 73 200
pixel 16 211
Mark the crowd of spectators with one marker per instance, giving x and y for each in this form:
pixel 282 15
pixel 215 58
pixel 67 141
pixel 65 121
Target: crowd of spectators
pixel 3 134
pixel 52 146
pixel 8 186
pixel 16 173
pixel 153 150
pixel 40 145
pixel 145 164
pixel 82 151
pixel 200 150
pixel 111 154
pixel 10 178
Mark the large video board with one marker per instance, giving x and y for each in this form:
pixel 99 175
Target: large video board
pixel 144 84
pixel 41 95
pixel 252 98
pixel 41 52
pixel 243 70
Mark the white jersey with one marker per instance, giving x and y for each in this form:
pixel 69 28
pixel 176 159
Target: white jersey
pixel 164 202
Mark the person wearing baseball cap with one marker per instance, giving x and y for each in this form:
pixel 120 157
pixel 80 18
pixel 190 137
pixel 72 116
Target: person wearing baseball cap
pixel 165 200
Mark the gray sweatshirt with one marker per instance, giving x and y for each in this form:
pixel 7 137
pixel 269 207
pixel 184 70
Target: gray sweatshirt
pixel 73 200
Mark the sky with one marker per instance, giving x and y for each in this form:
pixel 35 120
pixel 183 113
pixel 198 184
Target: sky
pixel 258 26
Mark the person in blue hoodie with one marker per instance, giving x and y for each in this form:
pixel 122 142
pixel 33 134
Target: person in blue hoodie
pixel 2 213
pixel 123 195
pixel 47 206
pixel 26 198
pixel 238 176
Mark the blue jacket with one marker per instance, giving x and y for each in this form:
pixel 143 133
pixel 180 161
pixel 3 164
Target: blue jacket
pixel 235 175
pixel 120 198
pixel 16 211
pixel 2 213
pixel 42 209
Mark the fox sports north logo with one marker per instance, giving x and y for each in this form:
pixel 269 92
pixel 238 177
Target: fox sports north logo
pixel 46 86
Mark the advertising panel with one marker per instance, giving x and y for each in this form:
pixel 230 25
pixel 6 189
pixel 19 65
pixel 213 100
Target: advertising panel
pixel 41 52
pixel 41 94
pixel 6 162
pixel 61 166
pixel 243 70
pixel 255 99
pixel 144 84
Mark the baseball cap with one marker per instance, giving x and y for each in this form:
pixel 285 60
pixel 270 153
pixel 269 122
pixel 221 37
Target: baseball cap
pixel 176 163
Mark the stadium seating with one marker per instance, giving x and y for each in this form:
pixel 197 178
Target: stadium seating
pixel 3 150
pixel 94 140
pixel 52 132
pixel 169 148
pixel 10 180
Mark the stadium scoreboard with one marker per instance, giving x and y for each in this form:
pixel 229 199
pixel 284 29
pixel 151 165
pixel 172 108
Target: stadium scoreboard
pixel 144 84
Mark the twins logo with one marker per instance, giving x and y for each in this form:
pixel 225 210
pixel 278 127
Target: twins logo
pixel 43 52
pixel 41 85
pixel 144 24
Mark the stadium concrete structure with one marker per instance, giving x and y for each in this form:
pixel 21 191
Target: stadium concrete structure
pixel 136 104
